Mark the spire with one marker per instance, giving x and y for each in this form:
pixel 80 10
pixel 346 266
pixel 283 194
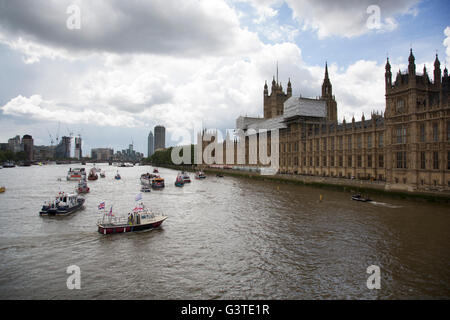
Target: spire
pixel 437 63
pixel 326 86
pixel 289 88
pixel 411 58
pixel 437 71
pixel 277 71
pixel 388 65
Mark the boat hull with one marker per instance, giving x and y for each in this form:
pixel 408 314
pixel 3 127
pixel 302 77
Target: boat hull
pixel 62 211
pixel 110 229
pixel 74 177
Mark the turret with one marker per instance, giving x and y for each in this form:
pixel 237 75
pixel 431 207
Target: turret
pixel 426 79
pixel 266 90
pixel 437 71
pixel 388 75
pixel 289 88
pixel 411 68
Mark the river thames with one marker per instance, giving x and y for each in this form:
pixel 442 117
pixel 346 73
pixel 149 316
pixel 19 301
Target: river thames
pixel 224 238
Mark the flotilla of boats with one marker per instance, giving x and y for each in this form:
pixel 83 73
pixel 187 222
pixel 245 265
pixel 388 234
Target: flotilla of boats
pixel 139 219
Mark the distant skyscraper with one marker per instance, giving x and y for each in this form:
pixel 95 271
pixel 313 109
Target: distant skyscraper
pixel 62 150
pixel 78 154
pixel 151 145
pixel 160 137
pixel 27 142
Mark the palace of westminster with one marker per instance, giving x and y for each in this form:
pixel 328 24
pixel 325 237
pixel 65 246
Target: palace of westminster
pixel 407 148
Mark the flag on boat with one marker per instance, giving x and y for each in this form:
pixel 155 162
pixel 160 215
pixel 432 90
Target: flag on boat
pixel 101 205
pixel 138 197
pixel 110 212
pixel 138 209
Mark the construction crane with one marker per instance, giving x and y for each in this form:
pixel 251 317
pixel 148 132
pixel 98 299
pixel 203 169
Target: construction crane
pixel 57 133
pixel 51 138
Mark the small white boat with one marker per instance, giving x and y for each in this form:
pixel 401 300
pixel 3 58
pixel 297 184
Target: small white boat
pixel 140 219
pixel 64 204
pixel 200 175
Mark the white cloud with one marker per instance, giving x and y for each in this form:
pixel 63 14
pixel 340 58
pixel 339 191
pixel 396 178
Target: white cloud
pixel 447 45
pixel 348 18
pixel 36 107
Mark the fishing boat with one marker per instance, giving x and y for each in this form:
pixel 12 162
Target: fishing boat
pixel 155 170
pixel 145 188
pixel 92 174
pixel 117 176
pixel 158 183
pixel 200 175
pixel 64 204
pixel 140 219
pixel 102 174
pixel 82 186
pixel 2 189
pixel 186 177
pixel 179 181
pixel 359 197
pixel 76 174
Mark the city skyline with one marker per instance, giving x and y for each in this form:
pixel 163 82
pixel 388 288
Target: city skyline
pixel 109 85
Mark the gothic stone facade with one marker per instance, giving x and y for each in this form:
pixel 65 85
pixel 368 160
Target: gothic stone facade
pixel 407 148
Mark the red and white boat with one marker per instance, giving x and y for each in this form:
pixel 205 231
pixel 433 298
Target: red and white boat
pixel 82 186
pixel 76 174
pixel 140 219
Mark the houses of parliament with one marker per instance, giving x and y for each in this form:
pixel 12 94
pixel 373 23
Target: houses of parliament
pixel 407 147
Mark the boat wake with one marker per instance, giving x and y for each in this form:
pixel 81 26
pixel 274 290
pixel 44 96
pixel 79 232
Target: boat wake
pixel 383 204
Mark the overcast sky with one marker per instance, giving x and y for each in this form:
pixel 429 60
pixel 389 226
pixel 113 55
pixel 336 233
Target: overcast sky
pixel 134 64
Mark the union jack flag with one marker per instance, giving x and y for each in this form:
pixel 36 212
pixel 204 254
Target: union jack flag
pixel 110 212
pixel 101 206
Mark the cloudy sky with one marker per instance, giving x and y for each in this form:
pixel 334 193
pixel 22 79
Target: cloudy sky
pixel 125 66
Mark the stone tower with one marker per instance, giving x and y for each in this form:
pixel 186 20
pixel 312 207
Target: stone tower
pixel 273 103
pixel 327 95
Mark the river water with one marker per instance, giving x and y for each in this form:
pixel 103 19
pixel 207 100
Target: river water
pixel 225 238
